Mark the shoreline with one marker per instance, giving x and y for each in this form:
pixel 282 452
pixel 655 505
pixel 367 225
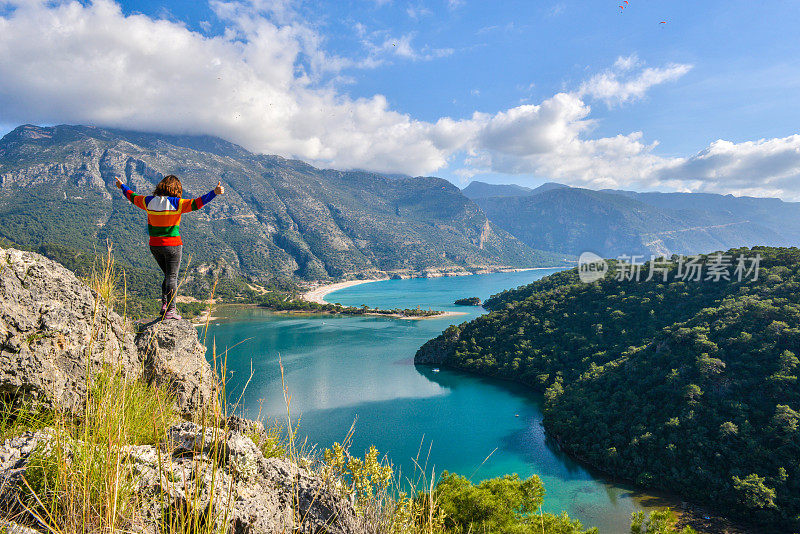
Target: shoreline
pixel 372 314
pixel 319 293
pixel 694 514
pixel 535 269
pixel 201 320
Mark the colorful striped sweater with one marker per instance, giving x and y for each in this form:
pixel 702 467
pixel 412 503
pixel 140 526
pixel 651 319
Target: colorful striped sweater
pixel 164 215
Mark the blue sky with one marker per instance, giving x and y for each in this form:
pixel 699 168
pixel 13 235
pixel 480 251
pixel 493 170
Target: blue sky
pixel 746 56
pixel 642 104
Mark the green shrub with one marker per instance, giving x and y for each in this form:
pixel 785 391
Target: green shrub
pixel 505 504
pixel 658 522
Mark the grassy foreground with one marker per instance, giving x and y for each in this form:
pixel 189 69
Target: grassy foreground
pixel 81 479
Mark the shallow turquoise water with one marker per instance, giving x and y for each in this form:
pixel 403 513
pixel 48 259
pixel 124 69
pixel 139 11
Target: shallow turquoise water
pixel 345 369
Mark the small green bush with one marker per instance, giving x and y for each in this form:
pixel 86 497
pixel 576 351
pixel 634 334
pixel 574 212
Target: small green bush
pixel 505 504
pixel 658 522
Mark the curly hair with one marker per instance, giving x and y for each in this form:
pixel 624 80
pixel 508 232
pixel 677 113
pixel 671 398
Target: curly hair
pixel 169 186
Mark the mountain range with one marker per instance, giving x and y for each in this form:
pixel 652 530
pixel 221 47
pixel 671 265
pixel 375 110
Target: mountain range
pixel 283 221
pixel 611 223
pixel 280 219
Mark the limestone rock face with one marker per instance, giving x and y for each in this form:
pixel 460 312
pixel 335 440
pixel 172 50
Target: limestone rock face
pixel 218 471
pixel 54 329
pixel 173 357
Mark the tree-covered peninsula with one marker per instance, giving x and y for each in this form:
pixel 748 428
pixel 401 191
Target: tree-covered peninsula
pixel 684 385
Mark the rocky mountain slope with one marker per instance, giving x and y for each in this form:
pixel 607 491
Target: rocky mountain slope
pixel 279 219
pixel 571 220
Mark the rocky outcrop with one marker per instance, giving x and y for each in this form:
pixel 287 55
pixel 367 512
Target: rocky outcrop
pixel 54 330
pixel 219 472
pixel 14 455
pixel 173 358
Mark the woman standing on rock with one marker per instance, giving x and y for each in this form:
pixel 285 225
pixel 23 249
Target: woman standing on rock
pixel 164 209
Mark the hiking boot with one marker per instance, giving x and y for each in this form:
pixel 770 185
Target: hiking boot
pixel 172 314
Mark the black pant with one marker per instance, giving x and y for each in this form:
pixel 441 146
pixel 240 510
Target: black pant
pixel 169 259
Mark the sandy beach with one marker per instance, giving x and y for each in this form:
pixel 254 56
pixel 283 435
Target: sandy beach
pixel 318 294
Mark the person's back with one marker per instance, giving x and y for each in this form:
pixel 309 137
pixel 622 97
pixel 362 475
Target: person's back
pixel 164 209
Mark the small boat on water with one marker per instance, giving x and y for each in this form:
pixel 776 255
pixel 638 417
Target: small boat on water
pixel 435 369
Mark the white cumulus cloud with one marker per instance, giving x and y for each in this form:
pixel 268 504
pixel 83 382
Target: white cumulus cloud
pixel 93 64
pixel 766 166
pixel 617 86
pixel 261 84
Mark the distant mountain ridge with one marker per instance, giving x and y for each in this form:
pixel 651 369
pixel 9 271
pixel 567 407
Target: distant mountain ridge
pixel 611 223
pixel 477 189
pixel 279 218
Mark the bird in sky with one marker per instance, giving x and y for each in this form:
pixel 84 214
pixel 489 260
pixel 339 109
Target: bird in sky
pixel 626 4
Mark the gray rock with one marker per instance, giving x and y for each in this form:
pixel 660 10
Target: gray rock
pixel 14 455
pixel 234 423
pixel 174 358
pixel 220 473
pixel 256 494
pixel 10 527
pixel 54 329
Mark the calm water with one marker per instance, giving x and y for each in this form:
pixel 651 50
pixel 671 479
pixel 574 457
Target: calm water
pixel 345 369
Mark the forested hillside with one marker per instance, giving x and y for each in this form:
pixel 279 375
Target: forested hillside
pixel 687 386
pixel 279 220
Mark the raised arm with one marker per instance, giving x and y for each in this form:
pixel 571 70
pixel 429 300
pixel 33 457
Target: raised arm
pixel 136 200
pixel 197 203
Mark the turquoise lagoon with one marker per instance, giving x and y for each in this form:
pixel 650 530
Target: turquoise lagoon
pixel 343 370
